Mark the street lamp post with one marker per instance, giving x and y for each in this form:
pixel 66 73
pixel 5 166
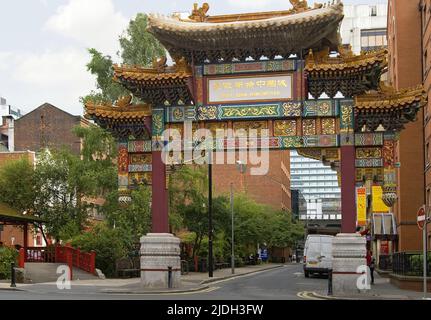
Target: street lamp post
pixel 233 230
pixel 210 217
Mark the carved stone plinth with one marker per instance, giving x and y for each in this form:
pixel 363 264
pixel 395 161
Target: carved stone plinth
pixel 349 261
pixel 159 252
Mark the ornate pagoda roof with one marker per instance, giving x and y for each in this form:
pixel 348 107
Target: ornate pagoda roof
pixel 203 38
pixel 146 82
pixel 348 73
pixel 346 62
pixel 122 117
pixel 388 107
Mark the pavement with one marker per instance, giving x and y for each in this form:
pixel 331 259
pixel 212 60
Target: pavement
pixel 191 282
pixel 381 290
pixel 263 282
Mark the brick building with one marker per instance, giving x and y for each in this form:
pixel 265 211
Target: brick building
pixel 405 70
pixel 272 189
pixel 47 126
pixel 425 6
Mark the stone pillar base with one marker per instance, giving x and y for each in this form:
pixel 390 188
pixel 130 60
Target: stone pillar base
pixel 159 252
pixel 349 261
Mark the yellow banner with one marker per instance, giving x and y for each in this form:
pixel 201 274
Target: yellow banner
pixel 378 204
pixel 361 206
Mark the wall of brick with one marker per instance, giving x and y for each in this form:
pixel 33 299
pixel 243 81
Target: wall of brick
pixel 404 43
pixel 47 126
pixel 272 189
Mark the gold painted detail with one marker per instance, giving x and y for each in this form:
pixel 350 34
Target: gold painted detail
pixel 207 113
pixel 250 111
pixel 250 128
pixel 368 153
pixel 346 117
pixel 328 126
pixel 121 109
pixel 309 127
pixel 322 61
pixel 285 128
pixel 389 98
pixel 199 14
pixel 292 109
pixel 140 159
pixel 311 153
pixel 216 128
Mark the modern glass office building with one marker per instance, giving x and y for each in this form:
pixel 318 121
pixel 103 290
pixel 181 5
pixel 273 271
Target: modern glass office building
pixel 318 184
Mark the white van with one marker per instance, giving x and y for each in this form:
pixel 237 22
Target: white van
pixel 317 254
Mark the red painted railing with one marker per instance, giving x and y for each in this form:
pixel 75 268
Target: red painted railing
pixel 59 254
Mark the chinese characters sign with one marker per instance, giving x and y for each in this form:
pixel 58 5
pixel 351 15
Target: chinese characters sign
pixel 264 88
pixel 361 206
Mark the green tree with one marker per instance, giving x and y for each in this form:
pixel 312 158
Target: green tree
pixel 138 47
pixel 58 187
pixel 132 220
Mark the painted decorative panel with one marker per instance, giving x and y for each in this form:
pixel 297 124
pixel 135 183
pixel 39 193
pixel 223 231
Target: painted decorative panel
pixel 292 109
pixel 389 153
pixel 246 128
pixel 139 146
pixel 346 116
pixel 207 113
pixel 328 126
pixel 373 174
pixel 291 142
pixel 123 158
pixel 368 153
pixel 285 128
pixel 180 113
pixel 139 178
pixel 251 111
pixel 123 181
pixel 319 108
pixel 365 163
pixel 250 67
pixel 309 127
pixel 216 127
pixel 369 139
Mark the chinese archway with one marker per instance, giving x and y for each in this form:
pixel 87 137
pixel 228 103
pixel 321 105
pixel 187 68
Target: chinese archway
pixel 263 71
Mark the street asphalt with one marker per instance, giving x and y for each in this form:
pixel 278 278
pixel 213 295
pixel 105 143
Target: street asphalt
pixel 283 283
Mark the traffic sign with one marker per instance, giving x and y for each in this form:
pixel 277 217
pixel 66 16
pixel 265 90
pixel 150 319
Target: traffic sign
pixel 421 217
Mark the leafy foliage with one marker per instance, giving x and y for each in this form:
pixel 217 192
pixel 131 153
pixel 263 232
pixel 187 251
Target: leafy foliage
pixel 106 242
pixel 138 47
pixel 7 256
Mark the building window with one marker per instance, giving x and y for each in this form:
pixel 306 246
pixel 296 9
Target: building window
pixel 372 39
pixel 373 11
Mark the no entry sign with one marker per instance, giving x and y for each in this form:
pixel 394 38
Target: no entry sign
pixel 421 218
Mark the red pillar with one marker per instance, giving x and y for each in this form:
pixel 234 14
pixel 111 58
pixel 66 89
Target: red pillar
pixel 348 197
pixel 159 205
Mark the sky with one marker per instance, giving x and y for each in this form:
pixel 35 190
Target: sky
pixel 43 43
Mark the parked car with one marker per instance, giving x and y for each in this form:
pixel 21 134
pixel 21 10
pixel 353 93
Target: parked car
pixel 317 254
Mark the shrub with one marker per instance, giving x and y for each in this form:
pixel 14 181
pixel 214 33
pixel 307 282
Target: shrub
pixel 7 256
pixel 108 245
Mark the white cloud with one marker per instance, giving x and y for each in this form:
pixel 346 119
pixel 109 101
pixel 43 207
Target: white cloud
pixel 92 23
pixel 58 77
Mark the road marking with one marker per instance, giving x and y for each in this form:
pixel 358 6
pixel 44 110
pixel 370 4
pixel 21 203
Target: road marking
pixel 308 295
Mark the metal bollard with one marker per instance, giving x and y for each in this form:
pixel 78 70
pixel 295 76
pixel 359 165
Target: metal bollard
pixel 330 283
pixel 13 275
pixel 170 277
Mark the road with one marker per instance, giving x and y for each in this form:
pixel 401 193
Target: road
pixel 277 284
